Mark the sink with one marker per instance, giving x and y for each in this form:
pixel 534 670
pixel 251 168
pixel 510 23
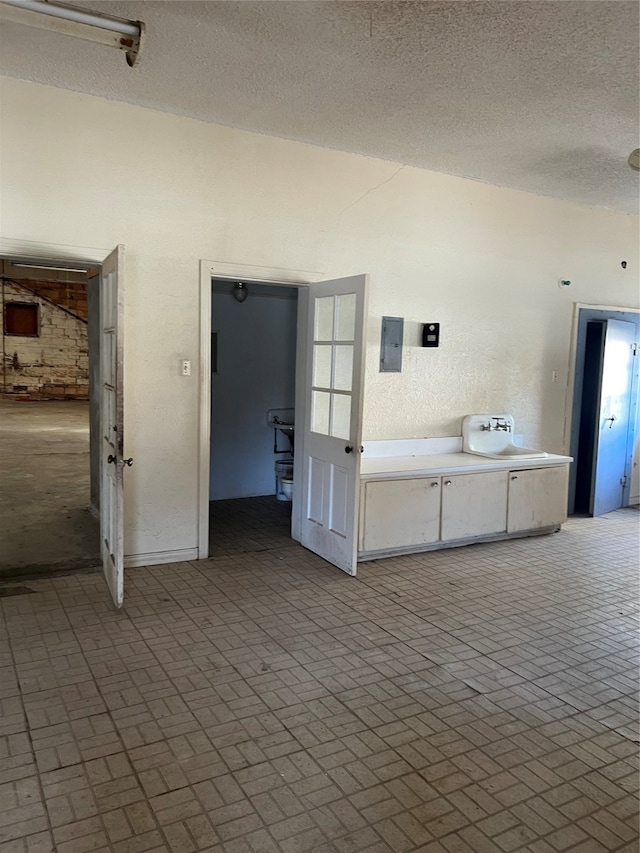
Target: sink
pixel 492 436
pixel 512 452
pixel 282 419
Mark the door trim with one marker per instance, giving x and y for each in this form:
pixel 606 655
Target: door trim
pixel 258 275
pixel 38 251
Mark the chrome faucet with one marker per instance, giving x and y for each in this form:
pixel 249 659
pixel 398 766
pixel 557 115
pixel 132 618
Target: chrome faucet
pixel 500 424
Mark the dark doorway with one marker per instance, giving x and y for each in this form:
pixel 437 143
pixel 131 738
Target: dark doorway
pixel 604 411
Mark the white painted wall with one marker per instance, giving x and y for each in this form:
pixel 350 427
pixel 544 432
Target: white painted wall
pixel 256 372
pixel 482 260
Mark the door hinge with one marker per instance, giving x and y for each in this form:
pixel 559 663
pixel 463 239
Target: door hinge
pixel 623 481
pixel 634 348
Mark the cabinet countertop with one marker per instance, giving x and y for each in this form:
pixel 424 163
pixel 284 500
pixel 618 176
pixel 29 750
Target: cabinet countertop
pixel 448 463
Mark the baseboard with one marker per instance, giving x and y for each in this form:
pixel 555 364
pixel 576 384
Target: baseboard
pixel 160 558
pixel 365 556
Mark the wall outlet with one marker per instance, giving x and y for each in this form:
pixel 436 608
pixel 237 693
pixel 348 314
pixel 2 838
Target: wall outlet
pixel 185 367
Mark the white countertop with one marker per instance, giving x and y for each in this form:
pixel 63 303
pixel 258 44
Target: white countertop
pixel 448 463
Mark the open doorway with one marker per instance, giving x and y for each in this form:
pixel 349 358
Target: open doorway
pixel 253 385
pixel 329 390
pixel 604 422
pixel 49 489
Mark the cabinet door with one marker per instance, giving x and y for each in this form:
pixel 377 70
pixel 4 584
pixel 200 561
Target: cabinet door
pixel 400 513
pixel 537 498
pixel 474 505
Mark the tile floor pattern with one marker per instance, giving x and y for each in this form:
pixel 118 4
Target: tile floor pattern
pixel 463 701
pixel 249 524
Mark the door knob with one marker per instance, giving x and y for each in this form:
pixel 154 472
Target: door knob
pixel 447 482
pixel 111 458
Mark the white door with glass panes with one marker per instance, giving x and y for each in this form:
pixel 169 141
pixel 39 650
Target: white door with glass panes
pixel 333 420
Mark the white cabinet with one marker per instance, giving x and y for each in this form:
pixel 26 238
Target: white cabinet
pixel 474 505
pixel 405 514
pixel 399 513
pixel 537 498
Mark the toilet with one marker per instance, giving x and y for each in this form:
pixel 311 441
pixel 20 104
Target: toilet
pixel 284 479
pixel 286 485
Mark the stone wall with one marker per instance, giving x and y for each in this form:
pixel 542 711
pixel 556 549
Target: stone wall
pixel 54 365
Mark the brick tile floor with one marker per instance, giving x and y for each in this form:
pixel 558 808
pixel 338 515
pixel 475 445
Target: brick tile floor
pixel 461 701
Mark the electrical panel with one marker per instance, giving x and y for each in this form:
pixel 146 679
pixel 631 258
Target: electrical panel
pixel 391 344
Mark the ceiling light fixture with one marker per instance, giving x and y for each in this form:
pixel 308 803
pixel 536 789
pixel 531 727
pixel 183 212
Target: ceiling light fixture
pixel 75 21
pixel 49 268
pixel 240 291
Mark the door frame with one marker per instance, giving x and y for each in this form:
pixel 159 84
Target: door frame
pixel 570 422
pixel 256 275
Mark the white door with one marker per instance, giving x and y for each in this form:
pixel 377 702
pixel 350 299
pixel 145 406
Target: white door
pixel 333 419
pixel 613 451
pixel 111 418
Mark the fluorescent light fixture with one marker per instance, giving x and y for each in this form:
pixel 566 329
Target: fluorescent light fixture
pixel 75 21
pixel 55 269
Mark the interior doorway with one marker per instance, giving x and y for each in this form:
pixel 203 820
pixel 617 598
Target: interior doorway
pixel 329 390
pixel 253 400
pixel 604 424
pixel 49 488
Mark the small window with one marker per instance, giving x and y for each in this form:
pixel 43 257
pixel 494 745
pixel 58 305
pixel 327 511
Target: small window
pixel 21 318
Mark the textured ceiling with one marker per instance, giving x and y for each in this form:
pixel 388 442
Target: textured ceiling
pixel 541 96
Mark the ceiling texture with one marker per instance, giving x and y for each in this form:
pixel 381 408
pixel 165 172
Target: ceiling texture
pixel 540 96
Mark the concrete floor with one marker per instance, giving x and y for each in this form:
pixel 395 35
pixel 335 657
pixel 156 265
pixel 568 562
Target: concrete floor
pixel 45 522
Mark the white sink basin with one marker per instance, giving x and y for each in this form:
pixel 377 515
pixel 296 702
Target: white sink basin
pixel 512 452
pixel 492 436
pixel 282 419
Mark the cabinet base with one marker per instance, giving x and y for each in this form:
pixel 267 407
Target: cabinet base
pixel 363 556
